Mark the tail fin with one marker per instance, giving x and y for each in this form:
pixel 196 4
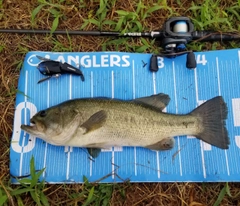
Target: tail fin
pixel 213 114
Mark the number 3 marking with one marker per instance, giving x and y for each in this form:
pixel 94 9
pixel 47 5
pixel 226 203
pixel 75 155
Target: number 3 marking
pixel 160 62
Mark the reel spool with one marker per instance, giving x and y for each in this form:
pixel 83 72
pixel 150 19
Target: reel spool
pixel 180 27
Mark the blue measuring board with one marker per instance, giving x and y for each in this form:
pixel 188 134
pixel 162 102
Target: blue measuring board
pixel 125 76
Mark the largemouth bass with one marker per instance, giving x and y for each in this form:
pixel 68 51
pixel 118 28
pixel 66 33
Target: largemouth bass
pixel 97 123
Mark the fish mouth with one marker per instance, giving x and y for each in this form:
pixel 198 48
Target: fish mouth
pixel 32 121
pixel 31 129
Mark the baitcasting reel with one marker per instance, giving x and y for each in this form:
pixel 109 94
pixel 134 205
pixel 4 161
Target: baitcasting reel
pixel 176 33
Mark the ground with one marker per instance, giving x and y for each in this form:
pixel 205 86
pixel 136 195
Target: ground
pixel 115 15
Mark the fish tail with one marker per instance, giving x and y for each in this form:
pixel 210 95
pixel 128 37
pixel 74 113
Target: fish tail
pixel 213 115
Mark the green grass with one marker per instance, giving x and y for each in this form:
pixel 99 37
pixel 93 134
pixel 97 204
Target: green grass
pixel 31 186
pixel 210 15
pixel 35 186
pixel 138 16
pixel 54 9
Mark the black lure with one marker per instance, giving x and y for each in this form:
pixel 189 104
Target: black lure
pixel 53 68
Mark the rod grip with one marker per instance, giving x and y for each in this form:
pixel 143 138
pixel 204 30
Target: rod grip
pixel 154 63
pixel 191 61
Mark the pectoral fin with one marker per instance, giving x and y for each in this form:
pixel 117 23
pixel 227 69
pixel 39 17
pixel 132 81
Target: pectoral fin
pixel 96 121
pixel 94 152
pixel 164 144
pixel 158 101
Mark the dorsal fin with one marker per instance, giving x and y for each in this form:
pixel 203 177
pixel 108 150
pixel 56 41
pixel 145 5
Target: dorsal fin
pixel 157 101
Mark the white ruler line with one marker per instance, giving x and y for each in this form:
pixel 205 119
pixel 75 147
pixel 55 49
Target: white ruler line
pixel 91 78
pixel 46 144
pixel 154 83
pixel 157 153
pixel 201 143
pixel 113 165
pixel 219 93
pixel 112 84
pixel 91 82
pixel 218 77
pixel 70 86
pixel 239 57
pixel 134 96
pixel 25 122
pixel 196 85
pixel 176 105
pixel 133 72
pixel 69 149
pixel 174 84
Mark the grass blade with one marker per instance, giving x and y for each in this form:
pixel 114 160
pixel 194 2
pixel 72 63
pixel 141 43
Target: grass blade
pixel 19 201
pixel 119 24
pixel 25 181
pixel 55 24
pixel 90 197
pixel 109 22
pixel 21 191
pixel 54 12
pixel 32 172
pixel 95 22
pixel 3 199
pixel 32 167
pixel 35 197
pixel 139 26
pixel 220 197
pixel 225 190
pixel 122 12
pixel 35 12
pixel 43 199
pixel 228 190
pixel 102 7
pixel 86 22
pixel 233 11
pixel 154 8
pixel 141 49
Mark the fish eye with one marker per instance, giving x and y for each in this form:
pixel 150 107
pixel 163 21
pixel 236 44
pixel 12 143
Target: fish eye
pixel 43 113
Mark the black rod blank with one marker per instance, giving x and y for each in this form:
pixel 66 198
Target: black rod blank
pixel 196 35
pixel 83 33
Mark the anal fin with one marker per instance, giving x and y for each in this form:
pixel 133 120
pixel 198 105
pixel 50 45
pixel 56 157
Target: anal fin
pixel 94 152
pixel 165 144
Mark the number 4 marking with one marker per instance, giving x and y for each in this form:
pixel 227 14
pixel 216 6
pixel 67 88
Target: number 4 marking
pixel 201 59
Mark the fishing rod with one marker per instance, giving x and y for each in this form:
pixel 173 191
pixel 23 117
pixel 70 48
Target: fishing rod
pixel 176 33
